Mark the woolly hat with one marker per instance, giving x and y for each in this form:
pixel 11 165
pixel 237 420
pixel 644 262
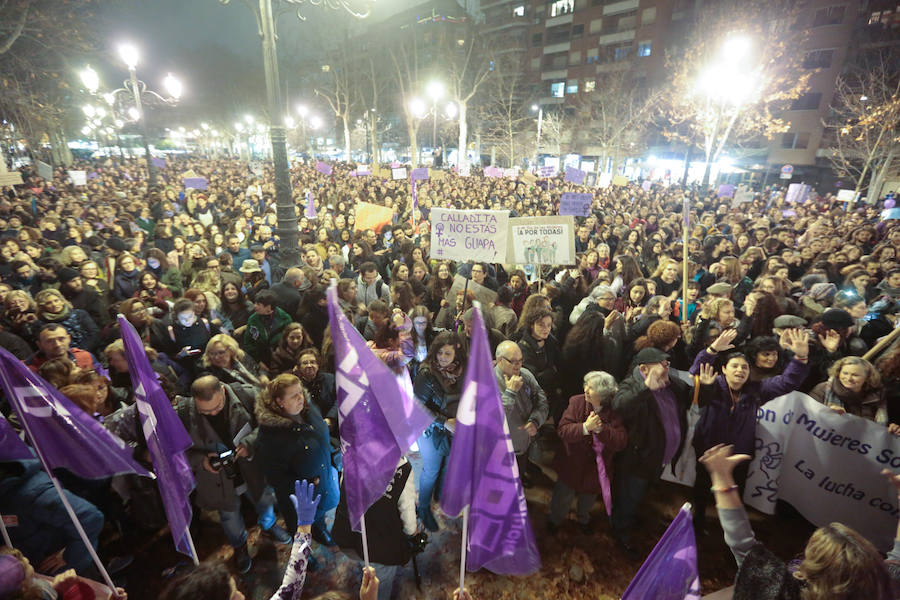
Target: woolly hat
pixel 822 291
pixel 67 274
pixel 836 318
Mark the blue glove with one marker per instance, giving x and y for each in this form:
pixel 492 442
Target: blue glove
pixel 304 504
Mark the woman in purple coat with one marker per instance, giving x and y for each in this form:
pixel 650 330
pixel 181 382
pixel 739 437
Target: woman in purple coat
pixel 588 428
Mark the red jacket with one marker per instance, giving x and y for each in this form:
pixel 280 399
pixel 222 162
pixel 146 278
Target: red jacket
pixel 82 359
pixel 576 464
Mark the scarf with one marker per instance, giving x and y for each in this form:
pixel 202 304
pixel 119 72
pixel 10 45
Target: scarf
pixel 450 373
pixel 54 317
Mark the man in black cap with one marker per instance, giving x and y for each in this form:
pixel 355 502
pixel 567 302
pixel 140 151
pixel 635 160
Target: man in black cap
pixel 72 288
pixel 654 407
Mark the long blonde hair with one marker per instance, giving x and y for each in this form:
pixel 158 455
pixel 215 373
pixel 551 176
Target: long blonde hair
pixel 840 564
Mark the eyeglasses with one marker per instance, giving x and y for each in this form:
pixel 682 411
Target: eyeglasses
pixel 513 362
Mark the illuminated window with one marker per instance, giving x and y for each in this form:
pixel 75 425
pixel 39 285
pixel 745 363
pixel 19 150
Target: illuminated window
pixel 589 85
pixel 622 52
pixel 562 7
pixel 644 49
pixel 519 11
pixel 572 86
pixel 592 56
pixel 558 89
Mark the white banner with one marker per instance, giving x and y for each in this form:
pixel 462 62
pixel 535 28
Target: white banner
pixel 826 465
pixel 78 177
pixel 542 240
pixel 477 235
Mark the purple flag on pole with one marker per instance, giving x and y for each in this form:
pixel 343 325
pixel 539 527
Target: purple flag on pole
pixel 159 163
pixel 575 175
pixel 166 438
pixel 197 183
pixel 61 433
pixel 670 572
pixel 310 212
pixel 415 195
pixel 323 168
pixel 482 473
pixel 11 446
pixel 379 420
pixel 602 475
pixel 419 174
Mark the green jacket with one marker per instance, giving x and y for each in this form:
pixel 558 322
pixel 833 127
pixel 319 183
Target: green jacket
pixel 259 340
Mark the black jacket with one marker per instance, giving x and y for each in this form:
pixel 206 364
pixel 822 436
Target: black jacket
pixel 643 457
pixel 288 298
pixel 543 362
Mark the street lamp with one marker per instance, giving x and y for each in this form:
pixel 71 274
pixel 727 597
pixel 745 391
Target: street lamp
pixel 90 79
pixel 537 148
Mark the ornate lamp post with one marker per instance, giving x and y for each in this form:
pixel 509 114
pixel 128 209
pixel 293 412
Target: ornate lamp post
pixel 288 230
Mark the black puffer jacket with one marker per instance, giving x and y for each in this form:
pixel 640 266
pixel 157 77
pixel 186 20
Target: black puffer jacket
pixel 542 361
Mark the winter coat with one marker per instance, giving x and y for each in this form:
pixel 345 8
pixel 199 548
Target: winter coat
pixel 870 405
pixel 323 393
pixel 529 404
pixel 81 327
pixel 262 335
pixel 643 455
pixel 379 290
pixel 126 284
pixel 89 301
pixel 576 464
pixel 440 400
pixel 289 451
pixel 542 361
pixel 215 491
pixel 723 421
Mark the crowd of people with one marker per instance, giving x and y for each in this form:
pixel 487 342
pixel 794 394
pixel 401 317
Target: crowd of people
pixel 779 298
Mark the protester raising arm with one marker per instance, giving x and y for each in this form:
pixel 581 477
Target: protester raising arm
pixel 305 506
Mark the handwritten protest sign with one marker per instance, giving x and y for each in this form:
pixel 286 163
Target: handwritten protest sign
pixel 419 174
pixel 575 175
pixel 542 240
pixel 578 205
pixel 398 173
pixel 511 173
pixel 78 177
pixel 827 465
pixel 469 234
pixel 797 192
pixel 547 171
pixel 847 195
pixel 197 183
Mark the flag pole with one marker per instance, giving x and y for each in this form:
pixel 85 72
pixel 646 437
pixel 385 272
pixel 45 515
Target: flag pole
pixel 62 497
pixel 6 539
pixel 462 553
pixel 684 259
pixel 187 531
pixel 365 540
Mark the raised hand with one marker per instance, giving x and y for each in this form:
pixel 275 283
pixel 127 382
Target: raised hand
pixel 831 340
pixel 304 504
pixel 720 462
pixel 798 342
pixel 724 341
pixel 707 374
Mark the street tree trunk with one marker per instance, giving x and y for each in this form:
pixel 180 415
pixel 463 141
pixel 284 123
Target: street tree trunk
pixel 463 142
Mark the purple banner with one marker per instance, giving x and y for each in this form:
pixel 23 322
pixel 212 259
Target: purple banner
pixel 670 572
pixel 419 174
pixel 159 163
pixel 61 433
pixel 11 446
pixel 166 437
pixel 575 204
pixel 493 172
pixel 378 418
pixel 323 168
pixel 197 183
pixel 482 473
pixel 797 192
pixel 575 175
pixel 726 190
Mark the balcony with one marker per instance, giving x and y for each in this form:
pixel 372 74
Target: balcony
pixel 560 20
pixel 544 101
pixel 564 47
pixel 492 3
pixel 616 37
pixel 517 22
pixel 620 7
pixel 554 74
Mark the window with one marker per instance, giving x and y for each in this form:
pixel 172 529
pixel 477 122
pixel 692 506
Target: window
pixel 537 39
pixel 644 48
pixel 562 7
pixel 832 15
pixel 627 21
pixel 593 55
pixel 575 58
pixel 519 11
pixel 535 63
pixel 596 26
pixel 577 31
pixel 590 85
pixel 648 16
pixel 808 101
pixel 572 86
pixel 558 89
pixel 818 59
pixel 622 52
pixel 557 35
pixel 795 141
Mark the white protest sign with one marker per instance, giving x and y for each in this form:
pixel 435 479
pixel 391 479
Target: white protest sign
pixel 542 240
pixel 478 235
pixel 78 177
pixel 827 465
pixel 485 295
pixel 847 195
pixel 399 173
pixel 44 170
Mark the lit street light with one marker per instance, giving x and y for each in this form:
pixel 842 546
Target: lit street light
pixel 540 122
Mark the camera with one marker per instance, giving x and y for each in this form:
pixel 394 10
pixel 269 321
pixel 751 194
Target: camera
pixel 417 542
pixel 226 462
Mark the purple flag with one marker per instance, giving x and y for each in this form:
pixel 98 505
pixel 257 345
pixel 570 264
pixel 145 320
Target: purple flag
pixel 61 433
pixel 159 163
pixel 419 174
pixel 166 438
pixel 602 475
pixel 93 175
pixel 415 195
pixel 197 183
pixel 11 446
pixel 482 473
pixel 323 168
pixel 127 176
pixel 670 572
pixel 379 420
pixel 575 175
pixel 310 212
pixel 726 190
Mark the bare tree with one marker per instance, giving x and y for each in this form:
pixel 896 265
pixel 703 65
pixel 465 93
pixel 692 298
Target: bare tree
pixel 341 91
pixel 503 111
pixel 862 129
pixel 405 58
pixel 468 66
pixel 741 69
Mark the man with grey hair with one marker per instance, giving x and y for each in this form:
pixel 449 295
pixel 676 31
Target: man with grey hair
pixel 590 431
pixel 288 291
pixel 524 402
